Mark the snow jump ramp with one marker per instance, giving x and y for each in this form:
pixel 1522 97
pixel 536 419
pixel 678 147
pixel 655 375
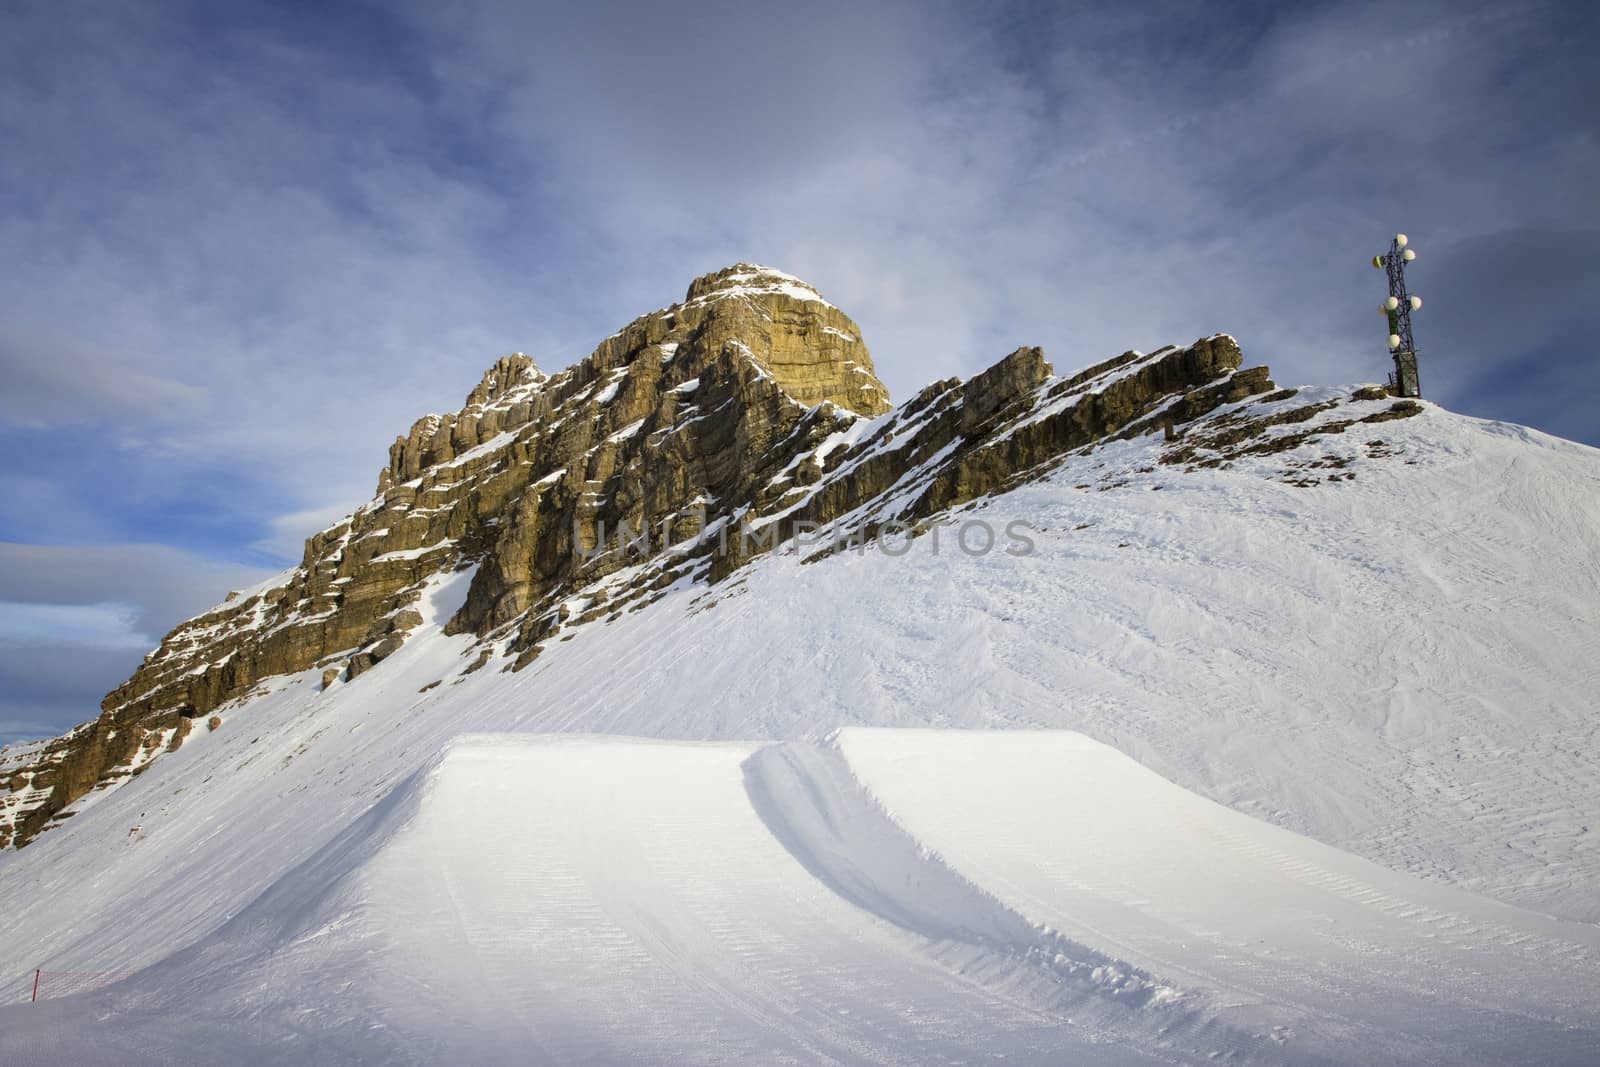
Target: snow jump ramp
pixel 879 896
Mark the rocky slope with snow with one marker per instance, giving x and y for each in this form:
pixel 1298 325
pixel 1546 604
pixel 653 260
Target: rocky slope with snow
pixel 696 438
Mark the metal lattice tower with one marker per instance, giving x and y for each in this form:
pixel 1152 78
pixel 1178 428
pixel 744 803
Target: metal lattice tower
pixel 1398 308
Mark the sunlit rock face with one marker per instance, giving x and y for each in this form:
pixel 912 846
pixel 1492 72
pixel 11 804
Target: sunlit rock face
pixel 708 432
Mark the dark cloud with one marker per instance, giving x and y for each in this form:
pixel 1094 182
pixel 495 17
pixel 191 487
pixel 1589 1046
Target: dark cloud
pixel 164 585
pixel 47 689
pixel 76 620
pixel 53 380
pixel 1516 326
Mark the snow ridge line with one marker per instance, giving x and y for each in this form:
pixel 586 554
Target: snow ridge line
pixel 815 805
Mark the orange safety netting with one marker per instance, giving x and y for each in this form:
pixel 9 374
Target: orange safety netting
pixel 47 985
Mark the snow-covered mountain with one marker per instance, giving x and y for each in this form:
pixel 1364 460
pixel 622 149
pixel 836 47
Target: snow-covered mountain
pixel 1266 731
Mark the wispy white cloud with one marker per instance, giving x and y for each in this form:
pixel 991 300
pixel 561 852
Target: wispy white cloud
pixel 111 591
pixel 104 625
pixel 288 532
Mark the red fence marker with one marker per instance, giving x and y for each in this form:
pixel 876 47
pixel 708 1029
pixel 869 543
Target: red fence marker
pixel 48 985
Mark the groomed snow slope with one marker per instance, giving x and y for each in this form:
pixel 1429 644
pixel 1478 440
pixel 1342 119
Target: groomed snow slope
pixel 885 896
pixel 1402 666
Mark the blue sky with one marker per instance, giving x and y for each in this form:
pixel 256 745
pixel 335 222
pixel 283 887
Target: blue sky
pixel 245 245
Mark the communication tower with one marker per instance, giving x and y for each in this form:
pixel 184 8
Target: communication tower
pixel 1397 308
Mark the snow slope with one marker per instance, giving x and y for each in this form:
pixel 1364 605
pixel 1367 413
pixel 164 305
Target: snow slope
pixel 886 896
pixel 561 900
pixel 1398 665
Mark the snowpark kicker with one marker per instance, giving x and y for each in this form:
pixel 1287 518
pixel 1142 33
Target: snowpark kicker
pixel 875 897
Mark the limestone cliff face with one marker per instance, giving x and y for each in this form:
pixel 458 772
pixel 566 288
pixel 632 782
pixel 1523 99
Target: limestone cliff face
pixel 723 425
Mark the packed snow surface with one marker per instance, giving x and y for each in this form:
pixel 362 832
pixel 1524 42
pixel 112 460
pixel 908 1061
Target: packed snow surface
pixel 1281 772
pixel 885 896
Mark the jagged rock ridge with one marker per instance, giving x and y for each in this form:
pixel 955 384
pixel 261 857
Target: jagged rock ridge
pixel 725 425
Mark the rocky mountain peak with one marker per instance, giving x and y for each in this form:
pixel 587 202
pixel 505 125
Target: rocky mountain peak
pixel 698 437
pixel 743 319
pixel 787 330
pixel 508 374
pixel 750 279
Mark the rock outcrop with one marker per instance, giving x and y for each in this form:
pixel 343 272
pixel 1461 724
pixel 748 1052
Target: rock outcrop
pixel 694 439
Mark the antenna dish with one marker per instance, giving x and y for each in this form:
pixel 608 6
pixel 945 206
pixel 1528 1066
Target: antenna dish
pixel 1391 303
pixel 1377 261
pixel 1416 303
pixel 1401 239
pixel 1394 340
pixel 1410 254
